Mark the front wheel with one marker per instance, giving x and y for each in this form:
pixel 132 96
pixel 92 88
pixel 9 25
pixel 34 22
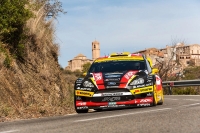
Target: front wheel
pixel 154 98
pixel 76 108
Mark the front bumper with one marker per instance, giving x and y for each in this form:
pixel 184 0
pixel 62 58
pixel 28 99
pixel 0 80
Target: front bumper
pixel 139 97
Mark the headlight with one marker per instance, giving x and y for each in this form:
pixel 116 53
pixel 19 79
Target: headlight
pixel 88 84
pixel 137 81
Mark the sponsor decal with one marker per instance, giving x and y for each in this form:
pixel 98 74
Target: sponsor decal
pixel 139 86
pixel 150 77
pixel 112 73
pixel 149 84
pixel 149 94
pixel 113 76
pixel 79 80
pixel 149 80
pixel 126 78
pixel 137 90
pixel 142 90
pixel 84 93
pixel 144 104
pixel 112 86
pixel 145 89
pixel 112 94
pixel 129 74
pixel 107 106
pixel 112 83
pixel 84 89
pixel 144 85
pixel 81 103
pixel 82 107
pixel 145 100
pixel 97 76
pixel 112 103
pixel 111 99
pixel 113 79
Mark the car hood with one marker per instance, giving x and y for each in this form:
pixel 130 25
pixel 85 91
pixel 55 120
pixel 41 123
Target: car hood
pixel 113 80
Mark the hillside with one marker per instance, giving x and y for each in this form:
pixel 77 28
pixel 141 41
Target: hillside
pixel 32 83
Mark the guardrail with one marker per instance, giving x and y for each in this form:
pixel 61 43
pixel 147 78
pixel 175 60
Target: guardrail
pixel 181 83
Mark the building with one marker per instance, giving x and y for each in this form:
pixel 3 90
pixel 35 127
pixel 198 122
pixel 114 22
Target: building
pixel 174 58
pixel 153 53
pixel 189 55
pixel 77 62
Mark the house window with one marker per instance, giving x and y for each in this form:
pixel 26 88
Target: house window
pixel 94 46
pixel 187 57
pixel 181 57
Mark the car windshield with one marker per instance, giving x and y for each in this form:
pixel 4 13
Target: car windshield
pixel 116 66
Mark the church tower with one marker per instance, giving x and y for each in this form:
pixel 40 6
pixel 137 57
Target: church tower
pixel 95 50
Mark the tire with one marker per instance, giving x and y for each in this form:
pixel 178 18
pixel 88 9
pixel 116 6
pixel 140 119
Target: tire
pixel 154 100
pixel 154 97
pixel 160 103
pixel 98 110
pixel 79 110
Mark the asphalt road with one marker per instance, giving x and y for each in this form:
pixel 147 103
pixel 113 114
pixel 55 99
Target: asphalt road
pixel 178 114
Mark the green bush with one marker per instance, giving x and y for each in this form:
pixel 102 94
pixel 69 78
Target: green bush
pixel 184 91
pixel 14 15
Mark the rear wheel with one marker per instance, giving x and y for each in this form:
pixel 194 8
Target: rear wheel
pixel 161 101
pixel 154 97
pixel 78 110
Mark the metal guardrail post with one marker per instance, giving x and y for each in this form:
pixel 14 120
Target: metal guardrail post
pixel 180 83
pixel 170 90
pixel 170 87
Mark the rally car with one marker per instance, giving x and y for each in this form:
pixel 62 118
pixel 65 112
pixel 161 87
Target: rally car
pixel 118 80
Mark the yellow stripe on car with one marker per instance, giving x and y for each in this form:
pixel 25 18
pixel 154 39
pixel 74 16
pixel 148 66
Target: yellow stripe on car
pixel 142 90
pixel 84 93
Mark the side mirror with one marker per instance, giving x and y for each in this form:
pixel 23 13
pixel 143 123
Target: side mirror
pixel 84 74
pixel 155 70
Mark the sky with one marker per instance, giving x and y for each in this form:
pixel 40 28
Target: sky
pixel 125 25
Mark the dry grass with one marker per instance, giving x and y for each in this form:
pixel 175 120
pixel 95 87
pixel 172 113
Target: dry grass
pixel 37 87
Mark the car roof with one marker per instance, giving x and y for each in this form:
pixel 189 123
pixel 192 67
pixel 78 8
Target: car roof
pixel 125 56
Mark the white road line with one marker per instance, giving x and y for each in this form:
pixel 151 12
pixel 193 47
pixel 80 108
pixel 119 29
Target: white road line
pixel 10 131
pixel 171 98
pixel 123 114
pixel 191 104
pixel 192 99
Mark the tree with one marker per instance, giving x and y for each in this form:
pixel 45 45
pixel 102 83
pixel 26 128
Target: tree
pixel 86 67
pixel 53 8
pixel 167 65
pixel 14 15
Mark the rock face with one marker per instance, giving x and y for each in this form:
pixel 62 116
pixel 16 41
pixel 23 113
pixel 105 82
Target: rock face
pixel 36 86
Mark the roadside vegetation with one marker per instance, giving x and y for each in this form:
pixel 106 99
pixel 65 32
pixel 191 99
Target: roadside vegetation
pixel 189 73
pixel 168 66
pixel 32 84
